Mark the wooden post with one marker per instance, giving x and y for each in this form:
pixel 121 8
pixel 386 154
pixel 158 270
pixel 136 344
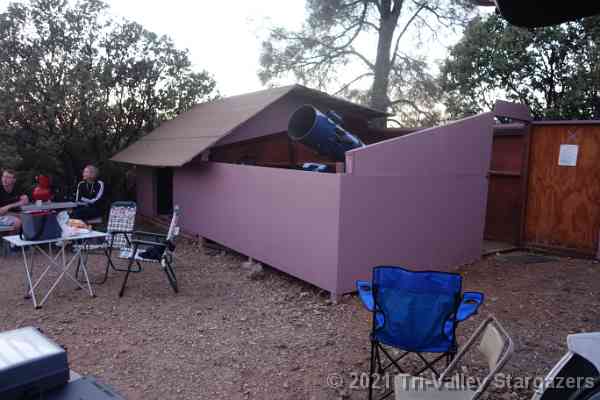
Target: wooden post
pixel 340 167
pixel 598 251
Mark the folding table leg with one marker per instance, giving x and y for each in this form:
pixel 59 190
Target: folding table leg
pixel 29 277
pixel 62 256
pixel 31 292
pixel 65 268
pixel 82 263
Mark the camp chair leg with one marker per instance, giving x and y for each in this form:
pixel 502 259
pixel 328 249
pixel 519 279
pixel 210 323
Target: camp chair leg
pixel 108 264
pixel 393 361
pixel 372 367
pixel 429 365
pixel 84 261
pixel 171 276
pixel 129 270
pixel 377 364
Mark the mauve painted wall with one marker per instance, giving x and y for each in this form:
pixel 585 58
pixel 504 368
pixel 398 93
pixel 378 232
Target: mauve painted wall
pixel 285 218
pixel 145 191
pixel 417 201
pixel 460 147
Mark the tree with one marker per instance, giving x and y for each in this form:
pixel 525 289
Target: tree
pixel 554 70
pixel 76 86
pixel 331 45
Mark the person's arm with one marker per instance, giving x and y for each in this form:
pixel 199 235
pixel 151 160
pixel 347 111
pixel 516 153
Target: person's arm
pixel 22 201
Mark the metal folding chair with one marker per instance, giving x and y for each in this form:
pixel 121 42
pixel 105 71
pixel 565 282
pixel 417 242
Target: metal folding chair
pixel 494 344
pixel 121 221
pixel 416 313
pixel 147 247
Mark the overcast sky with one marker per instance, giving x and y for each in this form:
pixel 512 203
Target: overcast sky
pixel 223 37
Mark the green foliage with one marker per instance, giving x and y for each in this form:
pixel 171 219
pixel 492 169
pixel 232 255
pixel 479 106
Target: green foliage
pixel 76 87
pixel 374 51
pixel 554 70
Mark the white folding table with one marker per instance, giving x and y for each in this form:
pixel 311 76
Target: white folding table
pixel 59 261
pixel 47 206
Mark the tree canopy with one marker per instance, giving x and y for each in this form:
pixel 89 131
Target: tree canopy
pixel 77 86
pixel 334 46
pixel 554 70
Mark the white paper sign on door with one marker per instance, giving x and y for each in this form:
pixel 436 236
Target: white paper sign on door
pixel 568 155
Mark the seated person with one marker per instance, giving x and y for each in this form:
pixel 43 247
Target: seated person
pixel 89 191
pixel 9 199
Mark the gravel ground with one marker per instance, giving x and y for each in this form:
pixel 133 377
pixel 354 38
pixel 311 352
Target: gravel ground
pixel 233 334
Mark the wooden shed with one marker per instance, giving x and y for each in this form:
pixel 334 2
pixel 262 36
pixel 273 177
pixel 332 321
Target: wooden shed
pixel 416 200
pixel 545 186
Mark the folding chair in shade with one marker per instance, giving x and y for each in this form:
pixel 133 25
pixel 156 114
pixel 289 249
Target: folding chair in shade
pixel 119 229
pixel 156 248
pixel 415 313
pixel 495 345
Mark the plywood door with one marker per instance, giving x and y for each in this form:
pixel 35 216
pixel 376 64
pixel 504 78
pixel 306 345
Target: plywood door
pixel 563 205
pixel 505 189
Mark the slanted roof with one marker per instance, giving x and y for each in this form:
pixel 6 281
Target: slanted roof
pixel 178 141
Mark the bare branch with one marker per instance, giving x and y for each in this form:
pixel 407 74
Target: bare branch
pixel 426 23
pixel 353 81
pixel 403 31
pixel 363 58
pixel 410 103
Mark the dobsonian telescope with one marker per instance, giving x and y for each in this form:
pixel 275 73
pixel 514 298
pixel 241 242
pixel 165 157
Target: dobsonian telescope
pixel 322 132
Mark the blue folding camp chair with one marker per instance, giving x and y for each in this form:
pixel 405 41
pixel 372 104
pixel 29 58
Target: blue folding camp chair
pixel 415 312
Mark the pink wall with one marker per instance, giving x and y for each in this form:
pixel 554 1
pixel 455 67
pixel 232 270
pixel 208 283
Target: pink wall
pixel 417 201
pixel 285 218
pixel 145 191
pixel 460 147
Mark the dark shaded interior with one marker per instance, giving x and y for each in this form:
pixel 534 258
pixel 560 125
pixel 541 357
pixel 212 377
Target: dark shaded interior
pixel 301 122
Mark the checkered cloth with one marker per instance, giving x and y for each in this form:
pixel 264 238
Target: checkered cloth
pixel 120 219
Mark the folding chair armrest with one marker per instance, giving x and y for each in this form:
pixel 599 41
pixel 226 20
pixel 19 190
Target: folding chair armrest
pixel 365 293
pixel 469 305
pixel 116 232
pixel 137 242
pixel 150 234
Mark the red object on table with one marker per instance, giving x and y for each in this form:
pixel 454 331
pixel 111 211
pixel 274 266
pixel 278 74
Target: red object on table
pixel 42 190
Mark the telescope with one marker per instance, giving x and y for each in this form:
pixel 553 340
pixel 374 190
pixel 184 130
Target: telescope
pixel 322 132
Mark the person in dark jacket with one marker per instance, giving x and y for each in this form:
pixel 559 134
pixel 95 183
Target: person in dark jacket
pixel 90 191
pixel 9 200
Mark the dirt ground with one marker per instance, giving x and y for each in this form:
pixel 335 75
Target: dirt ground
pixel 229 336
